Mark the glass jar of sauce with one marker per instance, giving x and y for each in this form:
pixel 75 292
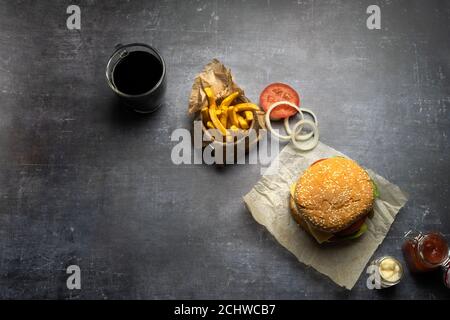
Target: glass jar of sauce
pixel 390 271
pixel 425 252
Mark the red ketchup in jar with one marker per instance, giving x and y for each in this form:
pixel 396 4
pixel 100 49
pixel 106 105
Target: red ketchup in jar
pixel 425 252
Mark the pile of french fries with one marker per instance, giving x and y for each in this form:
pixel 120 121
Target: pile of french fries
pixel 227 116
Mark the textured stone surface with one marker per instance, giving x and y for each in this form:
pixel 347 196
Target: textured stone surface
pixel 85 183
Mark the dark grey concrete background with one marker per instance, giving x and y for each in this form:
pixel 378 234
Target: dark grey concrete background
pixel 82 182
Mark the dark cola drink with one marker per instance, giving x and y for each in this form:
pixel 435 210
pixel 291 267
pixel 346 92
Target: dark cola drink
pixel 136 73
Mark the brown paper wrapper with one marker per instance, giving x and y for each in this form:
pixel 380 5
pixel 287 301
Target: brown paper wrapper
pixel 217 76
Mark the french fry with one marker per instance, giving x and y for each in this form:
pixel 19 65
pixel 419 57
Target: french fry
pixel 216 121
pixel 248 115
pixel 210 125
pixel 243 123
pixel 224 117
pixel 228 100
pixel 213 112
pixel 230 120
pixel 246 107
pixel 224 109
pixel 234 128
pixel 210 94
pixel 234 117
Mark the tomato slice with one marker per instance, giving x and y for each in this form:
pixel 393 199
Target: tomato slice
pixel 317 161
pixel 276 92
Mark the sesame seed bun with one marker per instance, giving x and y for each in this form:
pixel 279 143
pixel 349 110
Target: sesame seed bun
pixel 296 215
pixel 332 194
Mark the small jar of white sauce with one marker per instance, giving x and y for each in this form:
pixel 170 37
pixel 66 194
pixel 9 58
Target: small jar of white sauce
pixel 390 271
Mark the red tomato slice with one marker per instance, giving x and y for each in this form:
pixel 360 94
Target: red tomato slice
pixel 318 161
pixel 276 92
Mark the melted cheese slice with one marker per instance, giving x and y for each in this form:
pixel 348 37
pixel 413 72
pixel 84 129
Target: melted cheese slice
pixel 292 189
pixel 319 235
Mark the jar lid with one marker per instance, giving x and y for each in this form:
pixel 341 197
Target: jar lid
pixel 447 277
pixel 446 271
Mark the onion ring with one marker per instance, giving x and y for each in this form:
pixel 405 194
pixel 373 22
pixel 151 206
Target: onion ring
pixel 269 125
pixel 302 137
pixel 307 145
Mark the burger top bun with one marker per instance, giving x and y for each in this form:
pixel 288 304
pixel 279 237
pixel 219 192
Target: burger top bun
pixel 334 193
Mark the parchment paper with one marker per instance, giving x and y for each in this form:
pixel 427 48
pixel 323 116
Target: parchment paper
pixel 217 76
pixel 343 263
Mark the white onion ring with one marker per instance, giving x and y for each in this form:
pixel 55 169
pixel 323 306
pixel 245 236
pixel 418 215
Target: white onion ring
pixel 302 137
pixel 269 125
pixel 307 145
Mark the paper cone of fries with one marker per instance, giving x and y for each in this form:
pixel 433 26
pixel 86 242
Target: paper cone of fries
pixel 230 122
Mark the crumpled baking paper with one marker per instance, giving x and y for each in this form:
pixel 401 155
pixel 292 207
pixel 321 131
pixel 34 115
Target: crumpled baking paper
pixel 343 263
pixel 217 76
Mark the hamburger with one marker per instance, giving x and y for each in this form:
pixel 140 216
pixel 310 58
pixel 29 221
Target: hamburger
pixel 332 199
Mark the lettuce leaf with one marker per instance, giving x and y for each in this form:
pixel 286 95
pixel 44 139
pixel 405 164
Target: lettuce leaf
pixel 355 235
pixel 376 193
